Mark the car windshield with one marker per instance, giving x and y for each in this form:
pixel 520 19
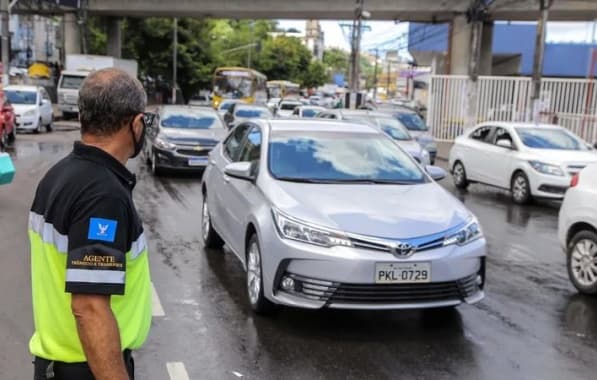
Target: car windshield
pixel 288 106
pixel 394 129
pixel 190 119
pixel 251 113
pixel 226 105
pixel 344 157
pixel 539 138
pixel 21 97
pixel 72 81
pixel 412 121
pixel 233 87
pixel 309 112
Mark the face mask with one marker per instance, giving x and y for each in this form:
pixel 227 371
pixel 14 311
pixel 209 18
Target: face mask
pixel 139 144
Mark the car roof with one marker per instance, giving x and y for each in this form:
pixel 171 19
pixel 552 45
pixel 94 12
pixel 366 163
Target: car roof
pixel 21 87
pixel 508 124
pixel 246 105
pixel 292 125
pixel 170 108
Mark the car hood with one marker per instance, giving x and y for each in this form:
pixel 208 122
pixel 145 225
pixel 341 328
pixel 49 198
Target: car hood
pixel 423 136
pixel 562 157
pixel 193 136
pixel 385 211
pixel 410 146
pixel 22 108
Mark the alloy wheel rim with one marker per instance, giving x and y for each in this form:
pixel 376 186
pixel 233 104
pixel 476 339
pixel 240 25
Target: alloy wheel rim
pixel 458 173
pixel 254 274
pixel 584 262
pixel 153 167
pixel 520 188
pixel 205 221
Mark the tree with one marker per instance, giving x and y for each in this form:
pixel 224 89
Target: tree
pixel 337 60
pixel 315 75
pixel 284 58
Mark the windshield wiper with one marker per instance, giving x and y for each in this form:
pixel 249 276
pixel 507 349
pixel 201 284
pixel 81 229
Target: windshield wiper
pixel 372 181
pixel 299 180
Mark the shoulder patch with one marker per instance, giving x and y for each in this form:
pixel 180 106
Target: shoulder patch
pixel 102 229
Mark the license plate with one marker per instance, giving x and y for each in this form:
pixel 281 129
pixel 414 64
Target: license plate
pixel 402 273
pixel 198 161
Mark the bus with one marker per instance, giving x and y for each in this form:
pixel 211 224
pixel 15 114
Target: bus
pixel 240 83
pixel 283 88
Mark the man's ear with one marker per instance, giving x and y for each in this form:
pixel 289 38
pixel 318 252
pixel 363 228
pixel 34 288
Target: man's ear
pixel 138 125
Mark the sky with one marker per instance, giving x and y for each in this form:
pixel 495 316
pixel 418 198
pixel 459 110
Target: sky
pixel 396 34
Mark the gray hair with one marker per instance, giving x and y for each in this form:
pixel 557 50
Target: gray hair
pixel 108 98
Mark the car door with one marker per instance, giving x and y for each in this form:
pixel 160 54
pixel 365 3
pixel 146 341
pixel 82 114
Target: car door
pixel 498 158
pixel 241 195
pixel 218 182
pixel 473 152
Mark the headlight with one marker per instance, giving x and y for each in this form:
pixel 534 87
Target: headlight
pixel 544 168
pixel 294 229
pixel 470 232
pixel 29 113
pixel 163 144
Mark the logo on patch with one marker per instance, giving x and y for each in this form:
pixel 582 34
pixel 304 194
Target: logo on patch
pixel 102 229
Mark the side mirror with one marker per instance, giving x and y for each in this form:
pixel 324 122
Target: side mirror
pixel 435 172
pixel 504 143
pixel 240 170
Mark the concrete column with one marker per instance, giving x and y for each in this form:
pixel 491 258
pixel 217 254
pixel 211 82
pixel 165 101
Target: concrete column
pixel 72 34
pixel 460 46
pixel 486 63
pixel 114 43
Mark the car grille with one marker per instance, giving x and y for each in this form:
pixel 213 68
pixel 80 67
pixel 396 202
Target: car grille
pixel 423 244
pixel 340 293
pixel 71 99
pixel 194 153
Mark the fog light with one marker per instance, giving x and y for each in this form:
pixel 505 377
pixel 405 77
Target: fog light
pixel 287 283
pixel 479 280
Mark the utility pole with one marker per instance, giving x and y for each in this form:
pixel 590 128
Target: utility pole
pixel 375 74
pixel 355 46
pixel 5 41
pixel 538 57
pixel 476 14
pixel 174 59
pixel 250 49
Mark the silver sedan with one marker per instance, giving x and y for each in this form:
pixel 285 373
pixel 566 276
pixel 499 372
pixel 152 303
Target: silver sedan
pixel 325 214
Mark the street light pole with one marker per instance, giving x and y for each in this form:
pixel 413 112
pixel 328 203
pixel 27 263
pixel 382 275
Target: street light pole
pixel 375 74
pixel 538 57
pixel 174 59
pixel 356 45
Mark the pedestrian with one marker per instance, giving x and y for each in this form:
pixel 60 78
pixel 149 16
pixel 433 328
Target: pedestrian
pixel 89 261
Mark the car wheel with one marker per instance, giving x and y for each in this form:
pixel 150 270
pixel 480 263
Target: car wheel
pixel 520 188
pixel 49 126
pixel 259 303
pixel 582 262
pixel 155 169
pixel 459 176
pixel 38 128
pixel 211 239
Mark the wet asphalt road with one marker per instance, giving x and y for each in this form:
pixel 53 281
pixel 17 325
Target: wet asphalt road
pixel 532 324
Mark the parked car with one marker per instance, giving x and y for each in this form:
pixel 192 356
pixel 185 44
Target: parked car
pixel 386 123
pixel 281 194
pixel 577 230
pixel 7 124
pixel 237 113
pixel 226 104
pixel 530 160
pixel 307 112
pixel 201 100
pixel 286 107
pixel 418 129
pixel 181 137
pixel 32 107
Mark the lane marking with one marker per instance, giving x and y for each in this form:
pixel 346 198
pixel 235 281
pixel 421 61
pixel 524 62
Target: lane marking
pixel 156 307
pixel 177 371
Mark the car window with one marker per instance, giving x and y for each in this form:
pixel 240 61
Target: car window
pixel 502 134
pixel 310 112
pixel 296 111
pixel 550 138
pixel 189 118
pixel 250 113
pixel 251 150
pixel 232 145
pixel 481 133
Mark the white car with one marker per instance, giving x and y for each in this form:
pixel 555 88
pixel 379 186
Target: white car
pixel 286 107
pixel 307 112
pixel 32 107
pixel 577 230
pixel 530 160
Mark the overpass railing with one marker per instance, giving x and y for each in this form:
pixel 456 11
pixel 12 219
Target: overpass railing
pixel 571 103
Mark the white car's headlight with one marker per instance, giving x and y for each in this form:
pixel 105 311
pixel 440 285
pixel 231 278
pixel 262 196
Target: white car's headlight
pixel 29 113
pixel 294 229
pixel 163 144
pixel 470 232
pixel 544 168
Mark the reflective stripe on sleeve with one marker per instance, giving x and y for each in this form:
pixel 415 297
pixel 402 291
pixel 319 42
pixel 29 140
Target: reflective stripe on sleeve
pixel 95 276
pixel 138 246
pixel 48 233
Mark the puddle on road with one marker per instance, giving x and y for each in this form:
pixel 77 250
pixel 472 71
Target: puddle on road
pixel 27 149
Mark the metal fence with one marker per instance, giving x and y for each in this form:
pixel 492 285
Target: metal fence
pixel 571 103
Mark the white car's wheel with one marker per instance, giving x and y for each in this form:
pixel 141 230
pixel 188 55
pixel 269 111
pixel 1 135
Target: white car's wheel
pixel 49 126
pixel 38 127
pixel 459 176
pixel 259 303
pixel 211 238
pixel 520 188
pixel 582 262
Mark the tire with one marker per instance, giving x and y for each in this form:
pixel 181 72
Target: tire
pixel 211 239
pixel 520 188
pixel 38 129
pixel 582 262
pixel 155 169
pixel 257 300
pixel 459 175
pixel 49 126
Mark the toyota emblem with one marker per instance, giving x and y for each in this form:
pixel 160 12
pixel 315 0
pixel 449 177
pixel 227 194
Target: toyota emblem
pixel 402 250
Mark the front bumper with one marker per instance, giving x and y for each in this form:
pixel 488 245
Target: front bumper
pixel 548 186
pixel 344 277
pixel 26 123
pixel 69 108
pixel 182 158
